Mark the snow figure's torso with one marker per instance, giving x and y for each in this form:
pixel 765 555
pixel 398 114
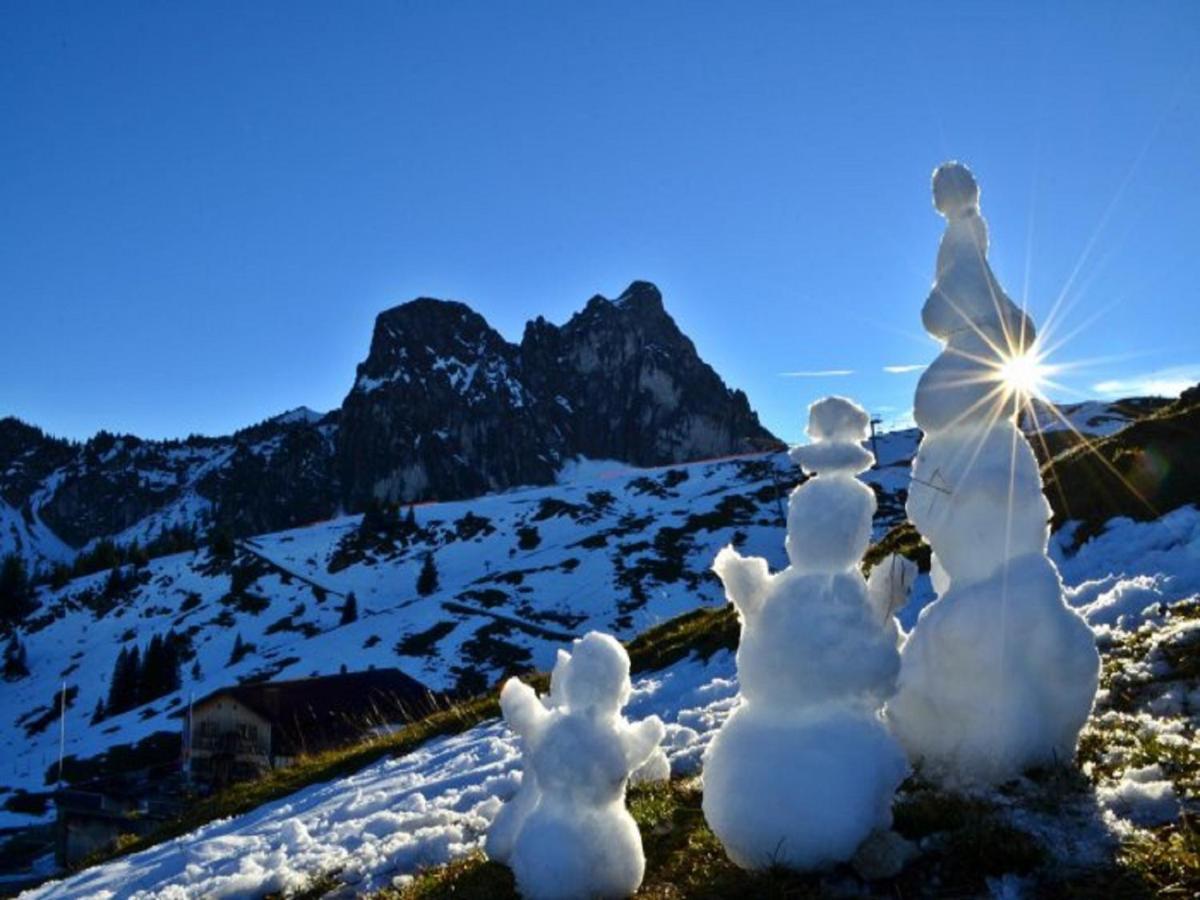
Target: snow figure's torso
pixel 803 770
pixel 581 761
pixel 998 674
pixel 976 497
pixel 816 640
pixel 969 311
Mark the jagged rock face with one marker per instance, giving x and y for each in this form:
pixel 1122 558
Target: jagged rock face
pixel 632 386
pixel 280 479
pixel 439 410
pixel 444 407
pixel 27 455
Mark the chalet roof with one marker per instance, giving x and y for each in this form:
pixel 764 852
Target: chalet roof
pixel 313 712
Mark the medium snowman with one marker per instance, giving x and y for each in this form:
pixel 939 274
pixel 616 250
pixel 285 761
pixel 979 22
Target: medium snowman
pixel 574 838
pixel 804 769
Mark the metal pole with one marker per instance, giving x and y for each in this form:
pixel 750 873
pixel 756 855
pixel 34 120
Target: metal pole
pixel 62 732
pixel 187 762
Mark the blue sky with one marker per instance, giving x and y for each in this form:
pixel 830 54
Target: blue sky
pixel 204 205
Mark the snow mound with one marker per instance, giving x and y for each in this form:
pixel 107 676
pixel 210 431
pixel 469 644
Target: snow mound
pixel 1143 796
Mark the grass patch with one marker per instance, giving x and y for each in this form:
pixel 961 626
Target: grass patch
pixel 683 859
pixel 1167 861
pixel 903 539
pixel 921 811
pixel 703 632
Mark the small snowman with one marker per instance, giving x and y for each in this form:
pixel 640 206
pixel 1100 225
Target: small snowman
pixel 804 770
pixel 516 809
pixel 574 837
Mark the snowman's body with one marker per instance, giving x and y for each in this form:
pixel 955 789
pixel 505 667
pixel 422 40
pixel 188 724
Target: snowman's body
pixel 804 770
pixel 570 834
pixel 999 674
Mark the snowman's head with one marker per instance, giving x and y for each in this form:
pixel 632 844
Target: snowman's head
pixel 837 427
pixel 955 191
pixel 829 517
pixel 596 678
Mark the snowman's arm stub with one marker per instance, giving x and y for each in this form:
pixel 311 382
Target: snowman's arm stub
pixel 641 739
pixel 746 579
pixel 523 711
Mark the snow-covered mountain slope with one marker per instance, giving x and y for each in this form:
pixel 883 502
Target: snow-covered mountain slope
pixel 615 548
pixel 1095 418
pixel 57 498
pixel 518 573
pixel 1138 584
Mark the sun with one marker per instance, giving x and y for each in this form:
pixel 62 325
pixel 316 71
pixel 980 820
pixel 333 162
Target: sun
pixel 1023 374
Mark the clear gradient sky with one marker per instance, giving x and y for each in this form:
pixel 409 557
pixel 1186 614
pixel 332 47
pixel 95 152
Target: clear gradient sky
pixel 203 205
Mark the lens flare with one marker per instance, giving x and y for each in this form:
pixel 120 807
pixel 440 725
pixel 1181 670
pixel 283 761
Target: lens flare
pixel 1023 374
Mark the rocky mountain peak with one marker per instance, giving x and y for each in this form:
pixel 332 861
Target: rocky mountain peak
pixel 642 296
pixel 442 407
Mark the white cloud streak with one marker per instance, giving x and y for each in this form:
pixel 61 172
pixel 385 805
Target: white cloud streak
pixel 897 370
pixel 818 373
pixel 1168 382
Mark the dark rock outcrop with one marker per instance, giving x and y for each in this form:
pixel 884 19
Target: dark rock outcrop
pixel 1143 471
pixel 629 385
pixel 444 407
pixel 439 410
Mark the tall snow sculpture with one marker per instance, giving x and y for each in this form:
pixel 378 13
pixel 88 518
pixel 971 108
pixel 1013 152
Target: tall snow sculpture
pixel 804 769
pixel 999 674
pixel 575 838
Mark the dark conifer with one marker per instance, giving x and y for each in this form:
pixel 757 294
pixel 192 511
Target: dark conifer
pixel 427 580
pixel 350 609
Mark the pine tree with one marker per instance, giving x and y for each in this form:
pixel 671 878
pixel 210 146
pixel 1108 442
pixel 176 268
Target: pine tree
pixel 98 714
pixel 116 582
pixel 16 592
pixel 60 575
pixel 350 609
pixel 240 650
pixel 118 676
pixel 152 676
pixel 172 661
pixel 197 673
pixel 375 519
pixel 221 544
pixel 16 665
pixel 427 580
pixel 123 690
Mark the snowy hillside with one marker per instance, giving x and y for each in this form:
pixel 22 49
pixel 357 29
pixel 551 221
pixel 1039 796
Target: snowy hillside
pixel 1138 585
pixel 612 548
